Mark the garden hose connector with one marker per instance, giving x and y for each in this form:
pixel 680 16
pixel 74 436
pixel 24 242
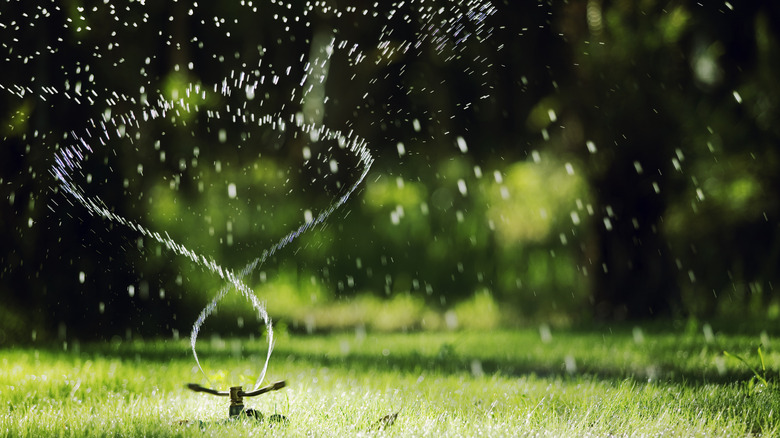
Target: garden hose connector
pixel 236 401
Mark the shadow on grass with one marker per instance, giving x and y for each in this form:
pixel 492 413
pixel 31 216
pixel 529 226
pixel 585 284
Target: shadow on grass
pixel 416 364
pixel 665 361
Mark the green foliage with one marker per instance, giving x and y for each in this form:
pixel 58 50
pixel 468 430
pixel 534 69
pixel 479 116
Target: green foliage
pixel 758 376
pixel 13 326
pixel 523 209
pixel 643 113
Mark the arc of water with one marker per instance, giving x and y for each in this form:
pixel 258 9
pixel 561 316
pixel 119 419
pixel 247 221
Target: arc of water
pixel 68 161
pixel 367 160
pixel 460 27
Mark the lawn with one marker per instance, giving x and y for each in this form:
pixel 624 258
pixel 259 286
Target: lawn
pixel 535 382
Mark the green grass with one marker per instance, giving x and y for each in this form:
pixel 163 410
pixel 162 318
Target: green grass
pixel 597 382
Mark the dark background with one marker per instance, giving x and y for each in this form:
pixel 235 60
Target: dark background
pixel 621 159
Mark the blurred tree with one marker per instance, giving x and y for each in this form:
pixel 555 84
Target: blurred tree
pixel 656 118
pixel 725 223
pixel 640 81
pixel 626 63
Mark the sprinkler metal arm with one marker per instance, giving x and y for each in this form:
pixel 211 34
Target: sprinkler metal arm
pixel 237 395
pixel 272 387
pixel 197 388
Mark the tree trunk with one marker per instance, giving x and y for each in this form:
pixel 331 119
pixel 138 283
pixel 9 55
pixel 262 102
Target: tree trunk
pixel 634 274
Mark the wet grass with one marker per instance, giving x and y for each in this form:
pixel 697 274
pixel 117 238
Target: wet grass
pixel 596 382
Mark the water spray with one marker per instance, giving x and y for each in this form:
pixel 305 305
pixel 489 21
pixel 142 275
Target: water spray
pixel 467 19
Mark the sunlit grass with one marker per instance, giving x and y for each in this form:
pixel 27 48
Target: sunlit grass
pixel 508 383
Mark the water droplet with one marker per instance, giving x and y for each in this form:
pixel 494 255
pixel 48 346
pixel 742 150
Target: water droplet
pixel 232 191
pixel 401 149
pixel 394 218
pixel 476 368
pixel 82 277
pixel 462 187
pixel 570 363
pixel 591 147
pixel 462 145
pixel 639 337
pixel 709 334
pixel 737 96
pixel 131 291
pixel 451 320
pixel 545 333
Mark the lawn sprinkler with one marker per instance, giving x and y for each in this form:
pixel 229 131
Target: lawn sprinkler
pixel 237 394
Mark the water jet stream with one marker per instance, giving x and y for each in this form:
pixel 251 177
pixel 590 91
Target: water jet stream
pixel 68 163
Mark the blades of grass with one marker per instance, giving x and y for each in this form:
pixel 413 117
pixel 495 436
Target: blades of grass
pixel 763 364
pixel 755 372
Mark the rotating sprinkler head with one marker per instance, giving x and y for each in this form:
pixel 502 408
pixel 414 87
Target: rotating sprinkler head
pixel 236 401
pixel 237 394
